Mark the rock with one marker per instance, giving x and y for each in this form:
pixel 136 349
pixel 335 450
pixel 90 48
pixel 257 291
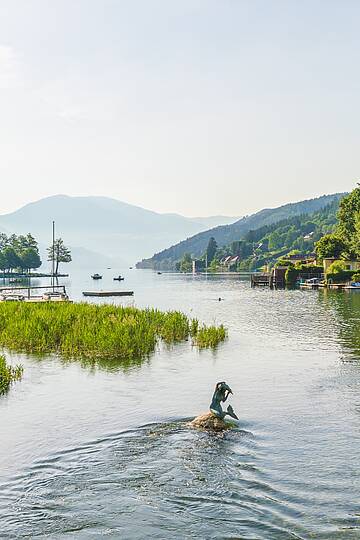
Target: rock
pixel 210 422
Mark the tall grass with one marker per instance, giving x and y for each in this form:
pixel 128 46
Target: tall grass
pixel 91 331
pixel 209 336
pixel 8 374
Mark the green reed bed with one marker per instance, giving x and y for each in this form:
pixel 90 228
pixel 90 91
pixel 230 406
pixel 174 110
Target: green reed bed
pixel 91 331
pixel 209 336
pixel 8 374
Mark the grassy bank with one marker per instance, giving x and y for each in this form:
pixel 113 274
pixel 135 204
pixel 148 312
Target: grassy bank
pixel 97 331
pixel 8 374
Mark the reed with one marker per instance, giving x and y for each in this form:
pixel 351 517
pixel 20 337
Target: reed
pixel 8 374
pixel 209 336
pixel 92 331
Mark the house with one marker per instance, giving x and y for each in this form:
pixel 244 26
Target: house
pixel 309 258
pixel 353 265
pixel 230 261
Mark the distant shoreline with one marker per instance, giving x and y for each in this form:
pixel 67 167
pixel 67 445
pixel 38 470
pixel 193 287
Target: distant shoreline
pixel 9 275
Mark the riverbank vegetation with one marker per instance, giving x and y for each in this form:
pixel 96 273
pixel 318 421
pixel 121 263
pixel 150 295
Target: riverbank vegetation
pixel 8 374
pixel 91 331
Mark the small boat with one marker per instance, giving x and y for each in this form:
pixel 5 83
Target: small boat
pixel 55 296
pixel 119 278
pixel 108 293
pixel 354 286
pixel 6 297
pixel 96 276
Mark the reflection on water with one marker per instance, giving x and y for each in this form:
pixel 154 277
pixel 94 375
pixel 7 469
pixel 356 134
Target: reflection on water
pixel 106 452
pixel 346 308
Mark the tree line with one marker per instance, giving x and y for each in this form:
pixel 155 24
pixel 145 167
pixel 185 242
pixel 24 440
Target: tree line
pixel 344 242
pixel 21 253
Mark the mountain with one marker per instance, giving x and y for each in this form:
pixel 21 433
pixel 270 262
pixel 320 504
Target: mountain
pixel 113 229
pixel 225 234
pixel 214 221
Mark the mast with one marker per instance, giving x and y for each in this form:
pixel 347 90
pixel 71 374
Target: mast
pixel 53 255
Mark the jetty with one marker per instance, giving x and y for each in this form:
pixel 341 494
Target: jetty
pixel 274 279
pixel 108 293
pixel 51 293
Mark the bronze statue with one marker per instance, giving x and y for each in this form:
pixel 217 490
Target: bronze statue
pixel 215 419
pixel 222 392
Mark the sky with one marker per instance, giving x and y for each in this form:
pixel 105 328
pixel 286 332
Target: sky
pixel 199 107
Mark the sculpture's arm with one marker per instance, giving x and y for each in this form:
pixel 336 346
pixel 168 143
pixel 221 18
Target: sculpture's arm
pixel 226 395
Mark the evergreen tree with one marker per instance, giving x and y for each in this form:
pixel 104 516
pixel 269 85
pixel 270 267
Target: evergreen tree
pixel 59 253
pixel 211 249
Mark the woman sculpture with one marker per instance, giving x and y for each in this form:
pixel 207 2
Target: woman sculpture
pixel 222 391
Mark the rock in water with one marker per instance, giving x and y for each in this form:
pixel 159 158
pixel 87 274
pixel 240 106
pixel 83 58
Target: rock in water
pixel 210 422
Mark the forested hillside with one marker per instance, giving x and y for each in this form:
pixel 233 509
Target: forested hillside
pixel 266 244
pixel 225 235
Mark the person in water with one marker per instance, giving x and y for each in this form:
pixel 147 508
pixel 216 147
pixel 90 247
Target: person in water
pixel 222 392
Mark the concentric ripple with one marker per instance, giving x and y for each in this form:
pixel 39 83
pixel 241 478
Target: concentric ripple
pixel 162 481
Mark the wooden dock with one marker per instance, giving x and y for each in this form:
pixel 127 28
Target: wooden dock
pixel 51 293
pixel 274 279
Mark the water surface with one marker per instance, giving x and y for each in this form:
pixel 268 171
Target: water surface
pixel 106 451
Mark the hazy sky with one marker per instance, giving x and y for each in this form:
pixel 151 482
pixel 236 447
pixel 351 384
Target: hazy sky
pixel 192 106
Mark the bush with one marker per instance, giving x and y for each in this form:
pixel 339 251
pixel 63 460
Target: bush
pixel 291 276
pixel 339 277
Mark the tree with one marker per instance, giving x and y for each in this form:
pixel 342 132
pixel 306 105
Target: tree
pixel 211 249
pixel 330 246
pixel 349 207
pixel 2 262
pixel 186 263
pixel 11 258
pixel 59 253
pixel 355 241
pixel 30 258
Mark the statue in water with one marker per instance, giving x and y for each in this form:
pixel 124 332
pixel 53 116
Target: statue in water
pixel 222 392
pixel 215 419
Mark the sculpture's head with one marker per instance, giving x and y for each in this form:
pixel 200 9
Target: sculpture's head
pixel 222 386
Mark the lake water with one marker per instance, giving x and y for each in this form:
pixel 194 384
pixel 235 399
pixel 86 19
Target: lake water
pixel 106 452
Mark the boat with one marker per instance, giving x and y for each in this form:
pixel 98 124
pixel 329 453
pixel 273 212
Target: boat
pixel 354 286
pixel 55 296
pixel 96 276
pixel 108 293
pixel 119 278
pixel 312 283
pixel 8 297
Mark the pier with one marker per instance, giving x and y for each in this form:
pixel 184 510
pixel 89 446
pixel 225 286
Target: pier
pixel 274 279
pixel 51 293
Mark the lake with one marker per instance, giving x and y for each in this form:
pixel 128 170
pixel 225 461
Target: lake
pixel 105 452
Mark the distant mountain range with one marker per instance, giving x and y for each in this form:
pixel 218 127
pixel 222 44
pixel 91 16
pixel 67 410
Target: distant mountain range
pixel 225 234
pixel 101 230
